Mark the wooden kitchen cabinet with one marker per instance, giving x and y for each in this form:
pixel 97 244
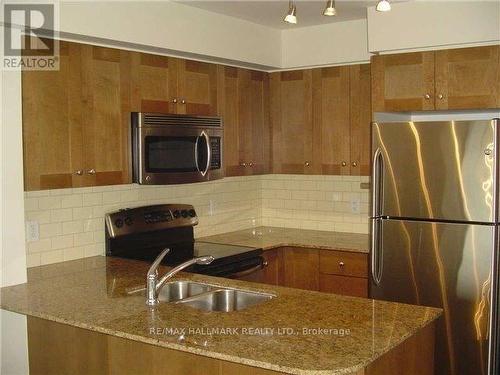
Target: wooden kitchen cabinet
pixel 300 268
pixel 75 120
pixel 244 107
pixel 346 286
pixel 292 122
pixel 274 269
pixel 403 82
pixel 465 78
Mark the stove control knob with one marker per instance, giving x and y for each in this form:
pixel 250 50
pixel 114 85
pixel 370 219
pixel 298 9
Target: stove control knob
pixel 129 221
pixel 192 213
pixel 119 223
pixel 184 213
pixel 177 214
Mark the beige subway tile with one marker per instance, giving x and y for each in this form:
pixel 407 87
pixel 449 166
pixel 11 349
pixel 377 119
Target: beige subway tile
pixel 110 197
pixel 342 186
pixel 360 228
pixel 49 203
pixel 71 227
pixel 32 260
pixel 63 214
pixel 299 195
pixel 93 225
pixel 99 236
pixel 50 230
pixel 37 194
pixel 39 246
pixel 62 242
pixel 59 192
pixel 343 227
pixel 129 195
pixel 92 199
pixel 71 201
pixel 50 257
pixel 42 217
pixel 30 204
pixel 82 213
pixel 74 253
pixel 84 238
pixel 94 250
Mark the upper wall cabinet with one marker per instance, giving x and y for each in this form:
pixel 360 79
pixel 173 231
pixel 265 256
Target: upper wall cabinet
pixel 75 120
pixel 170 85
pixel 292 122
pixel 244 106
pixel 464 78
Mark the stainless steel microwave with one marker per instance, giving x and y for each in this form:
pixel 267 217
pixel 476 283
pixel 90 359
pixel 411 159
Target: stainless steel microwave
pixel 176 149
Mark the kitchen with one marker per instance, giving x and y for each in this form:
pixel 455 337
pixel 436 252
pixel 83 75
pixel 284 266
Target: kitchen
pixel 253 156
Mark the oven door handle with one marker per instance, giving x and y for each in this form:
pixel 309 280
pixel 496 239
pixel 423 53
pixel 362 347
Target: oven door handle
pixel 205 136
pixel 249 271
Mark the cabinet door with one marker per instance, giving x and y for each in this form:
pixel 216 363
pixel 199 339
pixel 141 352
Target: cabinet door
pixel 197 88
pixel 229 94
pixel 273 270
pixel 153 81
pixel 254 121
pixel 403 82
pixel 467 78
pixel 331 120
pixel 52 123
pixel 106 130
pixel 301 268
pixel 360 119
pixel 291 121
pixel 347 286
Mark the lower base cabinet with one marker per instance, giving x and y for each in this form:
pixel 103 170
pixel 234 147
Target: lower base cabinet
pixel 329 271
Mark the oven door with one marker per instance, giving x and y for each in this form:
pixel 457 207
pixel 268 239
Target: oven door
pixel 175 155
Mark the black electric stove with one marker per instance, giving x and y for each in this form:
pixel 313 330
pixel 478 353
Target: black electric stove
pixel 142 233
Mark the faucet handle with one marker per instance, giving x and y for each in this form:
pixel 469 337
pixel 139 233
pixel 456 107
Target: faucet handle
pixel 153 270
pixel 205 260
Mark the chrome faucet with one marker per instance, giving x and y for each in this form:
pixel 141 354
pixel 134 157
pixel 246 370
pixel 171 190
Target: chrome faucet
pixel 153 285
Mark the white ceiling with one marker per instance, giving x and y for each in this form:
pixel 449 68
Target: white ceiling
pixel 271 12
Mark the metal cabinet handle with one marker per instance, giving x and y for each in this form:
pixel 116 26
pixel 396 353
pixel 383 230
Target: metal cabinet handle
pixel 307 164
pixel 354 164
pixel 174 100
pixel 344 163
pixel 341 264
pixel 91 171
pixel 250 164
pixel 79 172
pixel 183 101
pixel 243 164
pixel 427 96
pixel 441 96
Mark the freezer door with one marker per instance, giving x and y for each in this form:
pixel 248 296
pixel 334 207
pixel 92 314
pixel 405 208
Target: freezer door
pixel 434 170
pixel 442 265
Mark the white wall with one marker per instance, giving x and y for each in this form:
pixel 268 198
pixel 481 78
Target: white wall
pixel 13 344
pixel 332 44
pixel 433 24
pixel 175 27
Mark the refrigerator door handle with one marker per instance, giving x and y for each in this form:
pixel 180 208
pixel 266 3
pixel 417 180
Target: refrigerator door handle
pixel 377 174
pixel 376 251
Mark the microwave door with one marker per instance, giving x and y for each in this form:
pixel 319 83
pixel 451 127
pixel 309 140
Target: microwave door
pixel 202 153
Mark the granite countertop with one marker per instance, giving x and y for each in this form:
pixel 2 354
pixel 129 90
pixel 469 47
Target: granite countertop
pixel 272 237
pixel 90 293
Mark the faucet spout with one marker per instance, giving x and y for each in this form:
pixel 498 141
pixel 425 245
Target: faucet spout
pixel 153 285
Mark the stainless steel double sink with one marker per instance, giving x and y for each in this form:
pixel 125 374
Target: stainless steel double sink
pixel 209 297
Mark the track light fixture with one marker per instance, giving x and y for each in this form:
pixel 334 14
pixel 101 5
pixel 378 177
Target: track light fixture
pixel 330 9
pixel 291 16
pixel 383 6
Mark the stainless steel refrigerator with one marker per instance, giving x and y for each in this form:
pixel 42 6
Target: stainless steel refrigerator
pixel 435 232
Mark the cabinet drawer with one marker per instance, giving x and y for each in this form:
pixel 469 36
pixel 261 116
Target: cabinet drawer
pixel 343 263
pixel 344 285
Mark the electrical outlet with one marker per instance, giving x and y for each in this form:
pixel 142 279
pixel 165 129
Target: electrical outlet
pixel 32 231
pixel 355 206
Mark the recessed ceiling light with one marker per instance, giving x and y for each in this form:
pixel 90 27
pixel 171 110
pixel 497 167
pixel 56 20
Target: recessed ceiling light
pixel 330 8
pixel 383 6
pixel 291 16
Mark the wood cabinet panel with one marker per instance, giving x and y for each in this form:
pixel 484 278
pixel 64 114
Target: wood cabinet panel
pixel 291 121
pixel 153 83
pixel 107 113
pixel 331 120
pixel 196 87
pixel 360 119
pixel 301 268
pixel 403 82
pixel 344 285
pixel 343 263
pixel 52 123
pixel 466 77
pixel 274 270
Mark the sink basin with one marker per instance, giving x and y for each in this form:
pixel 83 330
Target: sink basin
pixel 226 300
pixel 177 290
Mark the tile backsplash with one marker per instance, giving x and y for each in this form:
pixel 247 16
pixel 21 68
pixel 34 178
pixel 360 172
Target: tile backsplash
pixel 71 221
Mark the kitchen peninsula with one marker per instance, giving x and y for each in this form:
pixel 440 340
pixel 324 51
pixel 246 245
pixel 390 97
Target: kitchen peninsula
pixel 81 319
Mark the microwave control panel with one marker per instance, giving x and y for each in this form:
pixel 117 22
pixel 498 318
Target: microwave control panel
pixel 215 149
